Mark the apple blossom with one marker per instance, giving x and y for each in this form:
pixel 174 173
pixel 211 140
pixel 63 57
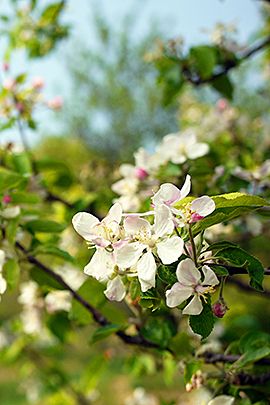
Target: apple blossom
pixel 190 285
pixel 222 400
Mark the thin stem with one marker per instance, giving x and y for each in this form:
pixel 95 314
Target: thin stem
pixel 193 245
pixel 185 248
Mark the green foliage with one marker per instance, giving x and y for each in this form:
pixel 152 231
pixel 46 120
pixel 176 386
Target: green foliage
pixel 203 324
pixel 159 330
pixel 11 271
pixel 44 226
pixel 104 332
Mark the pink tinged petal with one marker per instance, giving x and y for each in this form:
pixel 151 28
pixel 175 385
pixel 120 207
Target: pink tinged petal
pixel 185 190
pixel 114 215
pixel 195 218
pixel 187 273
pixel 83 223
pixel 203 206
pixel 210 277
pixel 197 150
pixel 195 306
pixel 167 194
pixel 134 224
pixel 170 249
pixel 163 223
pixel 115 290
pixel 128 255
pixel 147 269
pixel 101 265
pixel 177 294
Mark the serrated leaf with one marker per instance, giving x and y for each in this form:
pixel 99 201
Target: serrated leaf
pixel 167 274
pixel 240 258
pixel 203 323
pixel 105 331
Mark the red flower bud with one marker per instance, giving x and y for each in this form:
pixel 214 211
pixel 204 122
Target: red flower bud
pixel 219 308
pixel 6 199
pixel 141 173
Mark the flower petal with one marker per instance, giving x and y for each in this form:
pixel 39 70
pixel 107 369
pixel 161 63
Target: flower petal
pixel 101 265
pixel 186 187
pixel 222 400
pixel 203 205
pixel 115 290
pixel 187 273
pixel 3 284
pixel 195 306
pixel 134 224
pixel 147 269
pixel 114 214
pixel 210 277
pixel 163 223
pixel 2 259
pixel 177 294
pixel 167 194
pixel 197 150
pixel 170 249
pixel 83 222
pixel 128 255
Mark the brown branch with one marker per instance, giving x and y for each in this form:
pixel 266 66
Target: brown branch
pixel 213 358
pixel 230 64
pixel 245 287
pixel 98 317
pixel 249 379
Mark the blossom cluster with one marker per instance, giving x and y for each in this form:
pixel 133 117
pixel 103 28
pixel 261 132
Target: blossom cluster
pixel 132 245
pixel 140 179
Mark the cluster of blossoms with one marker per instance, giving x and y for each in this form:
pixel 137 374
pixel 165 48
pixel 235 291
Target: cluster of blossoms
pixel 19 99
pixel 129 245
pixel 140 179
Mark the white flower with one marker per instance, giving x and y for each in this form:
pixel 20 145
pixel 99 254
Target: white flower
pixel 58 301
pixel 115 290
pixel 222 400
pixel 152 238
pixel 11 212
pixel 190 284
pixel 182 146
pixel 101 233
pixel 3 283
pixel 126 186
pixel 168 194
pixel 101 265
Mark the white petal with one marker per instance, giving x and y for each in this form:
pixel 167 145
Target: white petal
pixel 195 306
pixel 187 273
pixel 197 150
pixel 222 400
pixel 2 259
pixel 101 265
pixel 163 223
pixel 83 223
pixel 177 294
pixel 127 170
pixel 11 212
pixel 209 276
pixel 170 249
pixel 115 290
pixel 167 194
pixel 147 269
pixel 134 224
pixel 128 255
pixel 186 187
pixel 3 284
pixel 114 215
pixel 203 205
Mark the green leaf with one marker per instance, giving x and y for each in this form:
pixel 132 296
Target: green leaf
pixel 224 86
pixel 159 330
pixel 59 325
pixel 191 368
pixel 167 274
pixel 22 163
pixel 105 331
pixel 9 179
pixel 54 251
pixel 44 280
pixel 23 197
pixel 134 289
pixel 203 58
pixel 204 322
pixel 220 271
pixel 240 258
pixel 252 356
pixel 150 299
pixel 11 272
pixel 44 226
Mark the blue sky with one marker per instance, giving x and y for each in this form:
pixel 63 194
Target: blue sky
pixel 185 18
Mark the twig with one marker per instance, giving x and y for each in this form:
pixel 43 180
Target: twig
pixel 213 358
pixel 98 317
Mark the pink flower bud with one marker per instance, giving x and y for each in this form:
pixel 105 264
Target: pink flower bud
pixel 195 218
pixel 5 66
pixel 6 199
pixel 9 84
pixel 38 83
pixel 19 107
pixel 219 308
pixel 55 103
pixel 222 104
pixel 140 173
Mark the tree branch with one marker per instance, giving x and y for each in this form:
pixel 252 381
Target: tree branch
pixel 230 64
pixel 98 317
pixel 246 287
pixel 213 358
